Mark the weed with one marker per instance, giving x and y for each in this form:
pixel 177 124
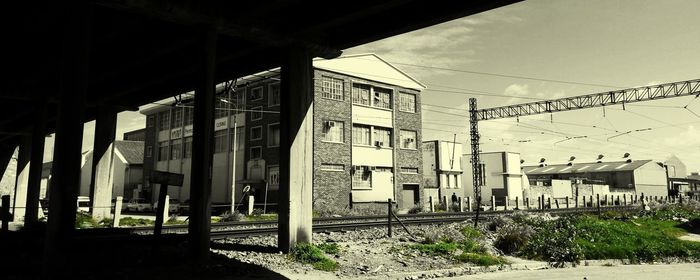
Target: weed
pixel 329 248
pixel 480 259
pixel 84 220
pixel 513 237
pixel 308 253
pixel 230 217
pixel 132 222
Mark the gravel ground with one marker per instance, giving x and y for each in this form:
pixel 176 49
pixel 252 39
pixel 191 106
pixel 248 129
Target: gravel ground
pixel 366 253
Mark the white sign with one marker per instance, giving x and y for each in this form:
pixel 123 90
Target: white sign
pixel 220 124
pixel 176 133
pixel 188 130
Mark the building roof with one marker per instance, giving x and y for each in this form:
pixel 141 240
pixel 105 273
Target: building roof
pixel 591 167
pixel 130 152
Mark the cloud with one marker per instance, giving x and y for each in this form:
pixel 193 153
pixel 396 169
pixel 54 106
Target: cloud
pixel 690 138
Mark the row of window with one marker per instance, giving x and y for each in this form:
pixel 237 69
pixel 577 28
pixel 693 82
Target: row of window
pixel 367 135
pixel 182 148
pixel 362 94
pixel 273 134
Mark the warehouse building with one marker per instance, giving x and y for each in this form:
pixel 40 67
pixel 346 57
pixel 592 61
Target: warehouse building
pixel 366 126
pixel 621 177
pixel 442 169
pixel 502 176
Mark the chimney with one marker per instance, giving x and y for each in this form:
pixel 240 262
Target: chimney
pixel 542 164
pixel 571 161
pixel 627 157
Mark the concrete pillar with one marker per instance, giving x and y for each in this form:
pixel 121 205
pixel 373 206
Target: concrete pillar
pixel 203 149
pixel 19 199
pixel 103 163
pixel 296 149
pixel 34 184
pixel 507 203
pixel 65 184
pixel 6 153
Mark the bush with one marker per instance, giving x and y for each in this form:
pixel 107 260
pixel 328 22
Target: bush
pixel 308 253
pixel 415 209
pixel 329 248
pixel 442 234
pixel 513 237
pixel 84 220
pixel 131 222
pixel 555 242
pixel 498 222
pixel 480 259
pixel 231 217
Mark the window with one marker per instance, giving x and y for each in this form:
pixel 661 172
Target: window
pixel 408 139
pixel 256 133
pixel 256 113
pixel 382 137
pixel 273 135
pixel 274 98
pixel 240 141
pixel 189 116
pixel 409 170
pixel 382 98
pixel 163 151
pixel 220 141
pixel 255 152
pixel 177 117
pixel 255 94
pixel 360 135
pixel 371 96
pixel 273 176
pixel 360 94
pixel 220 109
pixel 407 102
pixel 361 178
pixel 332 88
pixel 188 147
pixel 164 118
pixel 332 167
pixel 176 149
pixel 151 121
pixel 149 151
pixel 333 131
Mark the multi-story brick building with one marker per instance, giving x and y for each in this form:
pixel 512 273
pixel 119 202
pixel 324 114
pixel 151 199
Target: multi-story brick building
pixel 367 130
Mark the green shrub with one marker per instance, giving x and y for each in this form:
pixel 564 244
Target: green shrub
pixel 513 237
pixel 555 242
pixel 480 259
pixel 308 253
pixel 470 232
pixel 329 248
pixel 84 220
pixel 415 209
pixel 132 222
pixel 231 217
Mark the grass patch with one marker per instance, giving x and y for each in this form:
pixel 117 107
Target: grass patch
pixel 84 220
pixel 480 259
pixel 135 222
pixel 308 253
pixel 459 245
pixel 329 248
pixel 261 217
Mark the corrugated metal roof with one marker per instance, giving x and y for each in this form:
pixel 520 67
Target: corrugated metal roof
pixel 585 167
pixel 131 150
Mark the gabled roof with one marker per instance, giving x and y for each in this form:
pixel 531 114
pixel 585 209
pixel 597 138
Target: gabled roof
pixel 592 167
pixel 131 152
pixel 371 67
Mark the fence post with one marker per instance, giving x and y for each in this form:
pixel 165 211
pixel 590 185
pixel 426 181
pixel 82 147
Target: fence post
pixel 527 203
pixel 539 202
pixel 459 202
pixel 469 203
pixel 597 197
pixel 506 204
pixel 517 203
pixel 680 199
pixel 444 202
pixel 549 202
pixel 576 201
pixel 543 203
pixel 389 216
pixel 117 211
pixel 493 203
pixel 641 197
pixel 432 206
pixel 567 202
pixel 584 202
pixel 556 202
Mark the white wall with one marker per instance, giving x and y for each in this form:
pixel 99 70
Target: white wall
pixel 448 151
pixel 382 189
pixel 371 116
pixel 650 179
pixel 118 177
pixel 86 175
pixel 372 156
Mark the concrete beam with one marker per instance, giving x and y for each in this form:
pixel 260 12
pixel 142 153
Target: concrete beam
pixel 202 149
pixel 103 163
pixel 63 192
pixel 34 184
pixel 296 150
pixel 19 199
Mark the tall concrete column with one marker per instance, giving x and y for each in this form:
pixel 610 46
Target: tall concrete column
pixel 19 199
pixel 65 183
pixel 102 163
pixel 296 149
pixel 5 157
pixel 202 150
pixel 37 157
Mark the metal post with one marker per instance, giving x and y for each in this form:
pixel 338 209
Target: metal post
pixel 388 221
pixel 539 203
pixel 624 199
pixel 567 202
pixel 517 206
pixel 527 203
pixel 507 201
pixel 469 203
pixel 597 198
pixel 477 175
pixel 549 203
pixel 432 206
pixel 460 205
pixel 493 203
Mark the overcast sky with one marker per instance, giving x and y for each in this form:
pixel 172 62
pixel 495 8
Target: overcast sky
pixel 611 44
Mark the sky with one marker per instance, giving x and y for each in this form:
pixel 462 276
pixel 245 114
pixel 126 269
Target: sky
pixel 588 46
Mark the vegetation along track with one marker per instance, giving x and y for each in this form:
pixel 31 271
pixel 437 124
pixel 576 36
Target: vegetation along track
pixel 239 229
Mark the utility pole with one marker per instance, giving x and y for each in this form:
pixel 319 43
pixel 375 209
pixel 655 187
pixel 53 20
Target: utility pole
pixel 476 162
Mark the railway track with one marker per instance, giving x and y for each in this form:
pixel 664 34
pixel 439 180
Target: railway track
pixel 241 229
